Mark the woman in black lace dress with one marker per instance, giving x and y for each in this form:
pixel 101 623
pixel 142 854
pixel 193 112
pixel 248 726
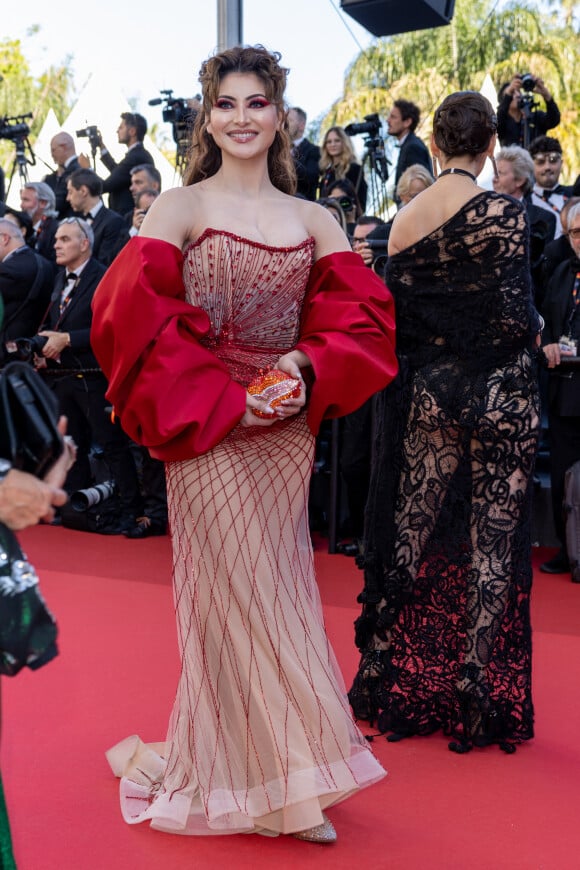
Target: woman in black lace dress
pixel 445 629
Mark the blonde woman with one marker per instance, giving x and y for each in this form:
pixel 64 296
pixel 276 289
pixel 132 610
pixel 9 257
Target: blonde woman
pixel 338 161
pixel 412 182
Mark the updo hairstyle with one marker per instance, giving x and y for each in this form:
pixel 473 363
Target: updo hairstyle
pixel 205 157
pixel 464 123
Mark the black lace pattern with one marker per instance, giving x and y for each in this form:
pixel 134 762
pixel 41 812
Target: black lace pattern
pixel 445 628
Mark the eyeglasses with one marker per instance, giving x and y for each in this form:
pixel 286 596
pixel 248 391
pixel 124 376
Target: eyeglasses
pixel 574 233
pixel 540 159
pixel 77 221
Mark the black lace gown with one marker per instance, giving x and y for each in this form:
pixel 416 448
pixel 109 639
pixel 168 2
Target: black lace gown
pixel 445 627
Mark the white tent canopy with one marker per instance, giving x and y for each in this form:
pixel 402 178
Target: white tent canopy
pixel 100 104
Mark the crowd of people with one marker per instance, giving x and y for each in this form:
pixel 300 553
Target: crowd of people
pixel 164 308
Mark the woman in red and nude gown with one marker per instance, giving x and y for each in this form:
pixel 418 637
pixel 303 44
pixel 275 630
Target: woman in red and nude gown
pixel 231 276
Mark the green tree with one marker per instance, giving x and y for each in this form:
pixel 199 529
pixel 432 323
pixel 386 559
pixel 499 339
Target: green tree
pixel 426 65
pixel 21 94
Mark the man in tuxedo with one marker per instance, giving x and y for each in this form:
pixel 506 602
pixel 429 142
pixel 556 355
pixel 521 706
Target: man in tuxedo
pixel 561 339
pixel 25 286
pixel 130 132
pixel 515 176
pixel 145 179
pixel 38 201
pixel 84 189
pixel 548 193
pixel 306 155
pixel 62 148
pixel 402 122
pixel 72 371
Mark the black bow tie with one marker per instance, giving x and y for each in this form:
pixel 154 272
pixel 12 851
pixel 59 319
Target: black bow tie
pixel 71 276
pixel 557 189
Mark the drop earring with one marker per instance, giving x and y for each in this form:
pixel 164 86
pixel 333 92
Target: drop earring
pixel 494 165
pixel 435 167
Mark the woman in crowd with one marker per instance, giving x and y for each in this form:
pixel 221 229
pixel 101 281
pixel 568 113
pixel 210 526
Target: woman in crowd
pixel 232 275
pixel 445 629
pixel 345 195
pixel 338 161
pixel 414 180
pixel 336 210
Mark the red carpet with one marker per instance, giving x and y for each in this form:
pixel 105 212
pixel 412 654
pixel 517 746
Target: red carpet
pixel 116 675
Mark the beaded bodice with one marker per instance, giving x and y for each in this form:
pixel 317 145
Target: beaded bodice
pixel 252 293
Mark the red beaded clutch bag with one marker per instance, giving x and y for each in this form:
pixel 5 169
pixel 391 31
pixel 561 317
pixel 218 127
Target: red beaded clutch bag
pixel 273 387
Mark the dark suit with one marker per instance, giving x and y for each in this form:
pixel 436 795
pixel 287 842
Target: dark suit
pixel 111 234
pixel 412 151
pixel 542 225
pixel 58 184
pixel 26 281
pixel 42 239
pixel 306 159
pixel 81 386
pixel 118 183
pixel 564 384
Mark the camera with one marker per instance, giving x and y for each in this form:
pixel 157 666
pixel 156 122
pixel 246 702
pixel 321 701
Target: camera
pixel 528 82
pixel 83 499
pixel 177 113
pixel 370 126
pixel 92 134
pixel 27 348
pixel 14 128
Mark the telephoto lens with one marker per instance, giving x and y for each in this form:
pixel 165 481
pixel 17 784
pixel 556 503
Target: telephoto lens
pixel 83 499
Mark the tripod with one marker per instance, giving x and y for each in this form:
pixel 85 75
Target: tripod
pixel 527 106
pixel 21 161
pixel 375 158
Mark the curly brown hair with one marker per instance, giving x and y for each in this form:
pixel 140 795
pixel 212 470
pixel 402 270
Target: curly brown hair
pixel 464 124
pixel 204 156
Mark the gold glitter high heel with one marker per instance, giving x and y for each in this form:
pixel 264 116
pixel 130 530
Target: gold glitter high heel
pixel 323 833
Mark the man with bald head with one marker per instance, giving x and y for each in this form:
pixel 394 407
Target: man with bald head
pixel 62 148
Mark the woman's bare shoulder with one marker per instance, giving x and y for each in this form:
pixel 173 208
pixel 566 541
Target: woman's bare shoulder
pixel 172 217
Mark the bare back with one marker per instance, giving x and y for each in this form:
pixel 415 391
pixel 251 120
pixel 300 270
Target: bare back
pixel 430 210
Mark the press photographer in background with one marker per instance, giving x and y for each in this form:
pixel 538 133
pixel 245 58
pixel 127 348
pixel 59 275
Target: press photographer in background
pixel 62 149
pixel 143 201
pixel 130 132
pixel 519 118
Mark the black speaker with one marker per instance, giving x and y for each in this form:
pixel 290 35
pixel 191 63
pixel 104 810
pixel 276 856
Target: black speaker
pixel 385 17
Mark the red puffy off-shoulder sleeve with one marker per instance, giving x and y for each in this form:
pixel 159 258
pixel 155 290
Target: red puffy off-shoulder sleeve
pixel 172 395
pixel 348 332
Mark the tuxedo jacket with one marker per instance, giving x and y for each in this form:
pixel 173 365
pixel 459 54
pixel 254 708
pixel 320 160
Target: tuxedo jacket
pixel 564 386
pixel 43 239
pixel 118 183
pixel 306 159
pixel 58 184
pixel 76 318
pixel 413 150
pixel 26 281
pixel 111 234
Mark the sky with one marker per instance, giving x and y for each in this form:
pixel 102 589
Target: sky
pixel 150 46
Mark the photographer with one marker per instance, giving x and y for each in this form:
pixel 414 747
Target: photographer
pixel 519 122
pixel 130 132
pixel 143 202
pixel 402 121
pixel 25 286
pixel 62 149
